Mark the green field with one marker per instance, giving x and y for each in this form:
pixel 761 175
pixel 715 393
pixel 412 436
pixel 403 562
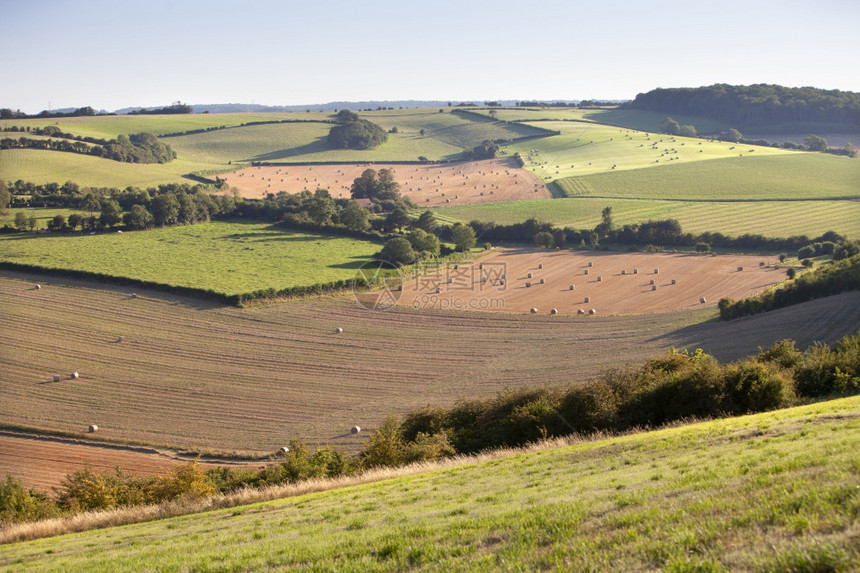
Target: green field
pixel 793 176
pixel 226 257
pixel 771 492
pixel 768 218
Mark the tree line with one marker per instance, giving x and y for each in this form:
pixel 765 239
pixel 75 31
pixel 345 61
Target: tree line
pixel 757 106
pixel 134 148
pixel 677 386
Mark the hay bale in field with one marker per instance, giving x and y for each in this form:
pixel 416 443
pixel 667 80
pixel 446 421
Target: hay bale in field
pixel 528 276
pixel 623 272
pixel 355 430
pixel 588 299
pixel 540 265
pixel 599 279
pixel 571 287
pixel 761 263
pixel 635 271
pixel 673 281
pixel 134 295
pixel 37 287
pixel 554 311
pixel 338 330
pixel 592 311
pixel 533 311
pixel 653 287
pixel 651 282
pixel 502 282
pixel 740 269
pixel 438 290
pixel 702 300
pixel 56 377
pixel 119 339
pixel 656 271
pixel 541 281
pixel 74 376
pixel 590 264
pixel 580 311
pixel 285 450
pixel 93 428
pixel 528 285
pixel 586 271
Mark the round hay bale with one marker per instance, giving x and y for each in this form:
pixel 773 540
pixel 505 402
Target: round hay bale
pixel 540 265
pixel 586 271
pixel 588 299
pixel 533 311
pixel 635 271
pixel 502 282
pixel 554 311
pixel 119 338
pixel 438 290
pixel 528 285
pixel 674 281
pixel 93 428
pixel 702 300
pixel 651 282
pixel 285 450
pixel 761 263
pixel 134 295
pixel 572 287
pixel 653 287
pixel 580 311
pixel 355 430
pixel 56 377
pixel 599 279
pixel 541 281
pixel 338 330
pixel 592 311
pixel 623 272
pixel 590 264
pixel 740 269
pixel 656 271
pixel 37 287
pixel 74 375
pixel 528 276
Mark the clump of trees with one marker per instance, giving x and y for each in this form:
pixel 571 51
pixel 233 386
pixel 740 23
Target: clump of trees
pixel 134 148
pixel 352 132
pixel 672 127
pixel 176 108
pixel 487 149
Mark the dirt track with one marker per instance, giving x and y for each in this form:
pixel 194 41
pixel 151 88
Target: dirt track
pixel 517 280
pixel 488 181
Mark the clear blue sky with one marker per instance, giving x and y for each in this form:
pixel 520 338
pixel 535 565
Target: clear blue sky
pixel 114 54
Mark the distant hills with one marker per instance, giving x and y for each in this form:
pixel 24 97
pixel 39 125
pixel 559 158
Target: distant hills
pixel 760 107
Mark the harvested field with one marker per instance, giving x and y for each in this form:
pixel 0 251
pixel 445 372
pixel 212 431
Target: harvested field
pixel 41 462
pixel 487 181
pixel 517 280
pixel 200 376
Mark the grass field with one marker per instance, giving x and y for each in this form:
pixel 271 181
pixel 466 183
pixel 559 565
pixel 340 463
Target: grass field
pixel 796 176
pixel 769 218
pixel 771 492
pixel 196 375
pixel 226 257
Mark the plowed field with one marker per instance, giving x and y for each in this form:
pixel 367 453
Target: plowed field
pixel 487 181
pixel 517 280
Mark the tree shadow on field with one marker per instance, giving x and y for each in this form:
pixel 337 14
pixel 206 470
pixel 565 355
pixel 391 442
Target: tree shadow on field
pixel 318 146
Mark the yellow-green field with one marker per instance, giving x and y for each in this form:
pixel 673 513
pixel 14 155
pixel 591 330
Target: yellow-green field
pixel 771 492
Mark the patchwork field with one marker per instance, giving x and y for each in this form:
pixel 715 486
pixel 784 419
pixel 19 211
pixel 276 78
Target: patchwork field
pixel 518 280
pixel 191 375
pixel 488 181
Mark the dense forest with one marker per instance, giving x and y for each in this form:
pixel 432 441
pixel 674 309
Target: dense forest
pixel 759 106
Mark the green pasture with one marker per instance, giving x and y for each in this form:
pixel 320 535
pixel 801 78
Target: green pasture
pixel 768 218
pixel 586 148
pixel 770 492
pixel 226 257
pixel 785 176
pixel 41 166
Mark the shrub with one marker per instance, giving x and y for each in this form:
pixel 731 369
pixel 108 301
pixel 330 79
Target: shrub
pixel 806 252
pixel 757 386
pixel 589 407
pixel 702 248
pixel 19 504
pixel 783 352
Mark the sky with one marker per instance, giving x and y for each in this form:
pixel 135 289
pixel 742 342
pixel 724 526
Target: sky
pixel 57 54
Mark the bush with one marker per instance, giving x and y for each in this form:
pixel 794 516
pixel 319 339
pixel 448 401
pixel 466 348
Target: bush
pixel 757 386
pixel 702 248
pixel 19 504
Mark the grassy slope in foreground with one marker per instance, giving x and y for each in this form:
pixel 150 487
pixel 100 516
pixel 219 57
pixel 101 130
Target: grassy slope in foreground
pixel 764 491
pixel 228 257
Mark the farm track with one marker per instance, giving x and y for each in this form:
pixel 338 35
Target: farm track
pixel 191 375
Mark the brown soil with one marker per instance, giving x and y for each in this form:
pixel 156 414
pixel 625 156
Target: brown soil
pixel 487 181
pixel 615 283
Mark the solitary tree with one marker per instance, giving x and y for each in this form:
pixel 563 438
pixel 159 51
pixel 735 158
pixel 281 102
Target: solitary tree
pixel 397 251
pixel 463 237
pixel 815 143
pixel 20 220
